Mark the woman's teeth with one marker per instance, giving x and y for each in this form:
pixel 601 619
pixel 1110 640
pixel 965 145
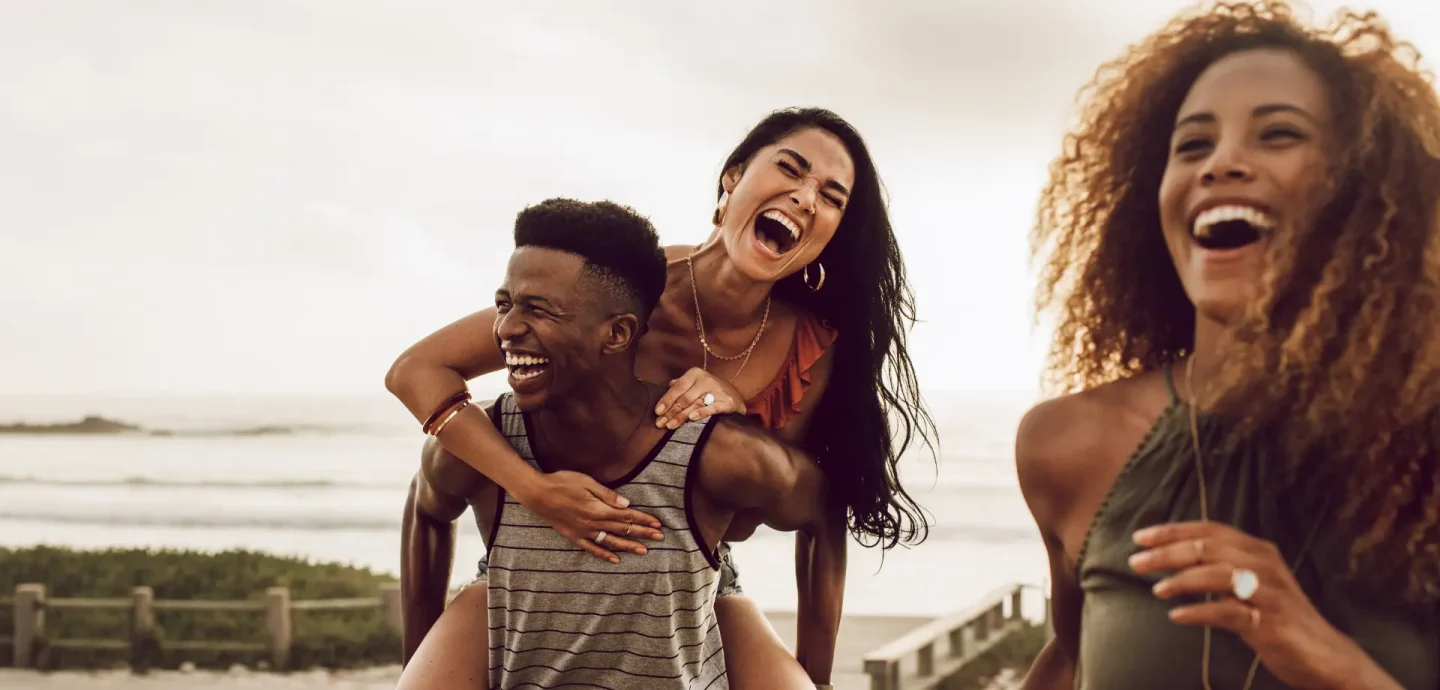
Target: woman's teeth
pixel 1206 221
pixel 784 220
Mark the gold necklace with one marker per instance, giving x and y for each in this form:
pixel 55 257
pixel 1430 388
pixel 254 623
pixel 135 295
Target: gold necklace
pixel 700 328
pixel 1205 517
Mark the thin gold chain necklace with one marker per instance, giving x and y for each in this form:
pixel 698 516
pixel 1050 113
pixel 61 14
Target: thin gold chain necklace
pixel 700 328
pixel 1205 517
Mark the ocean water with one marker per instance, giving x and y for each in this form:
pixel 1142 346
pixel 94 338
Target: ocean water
pixel 327 479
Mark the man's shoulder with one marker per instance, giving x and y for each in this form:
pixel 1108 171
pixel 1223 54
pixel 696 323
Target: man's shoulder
pixel 742 458
pixel 733 435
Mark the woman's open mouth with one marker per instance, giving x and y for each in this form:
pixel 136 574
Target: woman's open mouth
pixel 776 232
pixel 1230 227
pixel 524 367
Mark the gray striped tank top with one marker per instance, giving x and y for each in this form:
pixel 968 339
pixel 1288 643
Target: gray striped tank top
pixel 560 617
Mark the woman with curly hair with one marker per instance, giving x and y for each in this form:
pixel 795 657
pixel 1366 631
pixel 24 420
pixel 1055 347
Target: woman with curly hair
pixel 794 311
pixel 1241 486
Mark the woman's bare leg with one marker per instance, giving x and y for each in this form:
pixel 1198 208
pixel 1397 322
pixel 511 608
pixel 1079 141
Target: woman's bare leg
pixel 455 654
pixel 755 656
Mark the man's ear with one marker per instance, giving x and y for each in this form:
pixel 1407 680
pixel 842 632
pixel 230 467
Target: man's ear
pixel 625 329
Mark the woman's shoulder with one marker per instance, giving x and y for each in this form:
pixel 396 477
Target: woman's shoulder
pixel 1062 442
pixel 804 319
pixel 678 252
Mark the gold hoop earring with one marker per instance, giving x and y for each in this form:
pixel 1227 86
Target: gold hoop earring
pixel 719 216
pixel 806 277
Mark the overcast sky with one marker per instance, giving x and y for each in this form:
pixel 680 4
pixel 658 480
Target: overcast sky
pixel 276 196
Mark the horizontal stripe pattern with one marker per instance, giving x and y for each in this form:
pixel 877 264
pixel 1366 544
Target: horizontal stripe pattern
pixel 560 617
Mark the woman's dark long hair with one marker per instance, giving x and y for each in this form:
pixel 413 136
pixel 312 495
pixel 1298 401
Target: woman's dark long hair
pixel 872 385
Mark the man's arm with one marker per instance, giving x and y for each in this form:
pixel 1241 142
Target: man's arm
pixel 427 540
pixel 746 469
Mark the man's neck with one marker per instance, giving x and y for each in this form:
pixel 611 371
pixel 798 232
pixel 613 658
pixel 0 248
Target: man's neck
pixel 592 426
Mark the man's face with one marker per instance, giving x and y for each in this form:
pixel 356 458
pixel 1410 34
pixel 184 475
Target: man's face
pixel 550 326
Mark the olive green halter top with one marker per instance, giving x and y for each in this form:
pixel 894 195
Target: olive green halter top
pixel 1126 640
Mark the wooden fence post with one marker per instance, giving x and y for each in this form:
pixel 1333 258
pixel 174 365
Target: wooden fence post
pixel 29 623
pixel 391 609
pixel 277 623
pixel 142 627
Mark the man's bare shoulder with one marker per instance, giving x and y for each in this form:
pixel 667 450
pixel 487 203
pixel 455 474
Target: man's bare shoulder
pixel 742 463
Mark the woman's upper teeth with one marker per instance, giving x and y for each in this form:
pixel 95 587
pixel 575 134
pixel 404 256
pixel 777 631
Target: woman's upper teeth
pixel 523 360
pixel 784 220
pixel 1229 212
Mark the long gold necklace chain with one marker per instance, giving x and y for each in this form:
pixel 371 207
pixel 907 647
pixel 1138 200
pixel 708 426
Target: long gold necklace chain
pixel 700 328
pixel 1205 517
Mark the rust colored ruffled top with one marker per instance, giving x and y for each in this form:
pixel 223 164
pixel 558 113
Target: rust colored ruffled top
pixel 780 401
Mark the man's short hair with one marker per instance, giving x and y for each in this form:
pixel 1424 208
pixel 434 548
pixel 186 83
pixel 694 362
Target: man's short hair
pixel 619 246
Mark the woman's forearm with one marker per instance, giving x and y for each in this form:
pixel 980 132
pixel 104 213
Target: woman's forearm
pixel 820 579
pixel 469 436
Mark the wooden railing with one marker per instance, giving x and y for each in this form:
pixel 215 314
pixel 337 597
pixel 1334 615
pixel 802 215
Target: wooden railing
pixel 967 635
pixel 30 606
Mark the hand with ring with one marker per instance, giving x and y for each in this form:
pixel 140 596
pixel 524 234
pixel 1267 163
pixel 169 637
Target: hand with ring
pixel 694 396
pixel 590 515
pixel 1258 600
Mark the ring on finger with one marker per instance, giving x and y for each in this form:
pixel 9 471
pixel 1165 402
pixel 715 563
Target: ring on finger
pixel 1199 551
pixel 708 399
pixel 628 528
pixel 1254 618
pixel 600 537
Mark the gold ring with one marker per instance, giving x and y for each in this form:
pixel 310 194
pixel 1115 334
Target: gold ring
pixel 628 528
pixel 1254 618
pixel 1199 551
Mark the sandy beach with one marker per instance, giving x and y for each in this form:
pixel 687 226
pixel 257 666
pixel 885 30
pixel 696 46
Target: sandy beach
pixel 858 635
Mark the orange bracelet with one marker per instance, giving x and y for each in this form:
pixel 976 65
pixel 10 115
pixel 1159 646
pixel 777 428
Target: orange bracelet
pixel 462 396
pixel 441 426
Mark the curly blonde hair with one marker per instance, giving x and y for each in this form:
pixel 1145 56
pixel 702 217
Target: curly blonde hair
pixel 1338 361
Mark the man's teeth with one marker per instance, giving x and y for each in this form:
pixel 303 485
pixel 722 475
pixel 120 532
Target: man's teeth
pixel 1211 217
pixel 521 377
pixel 524 360
pixel 784 220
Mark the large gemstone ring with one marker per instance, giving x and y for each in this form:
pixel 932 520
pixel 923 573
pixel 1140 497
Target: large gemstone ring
pixel 1244 583
pixel 709 399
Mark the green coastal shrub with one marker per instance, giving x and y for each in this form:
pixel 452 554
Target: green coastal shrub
pixel 332 639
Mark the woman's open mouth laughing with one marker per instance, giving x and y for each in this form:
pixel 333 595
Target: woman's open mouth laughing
pixel 776 233
pixel 1230 228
